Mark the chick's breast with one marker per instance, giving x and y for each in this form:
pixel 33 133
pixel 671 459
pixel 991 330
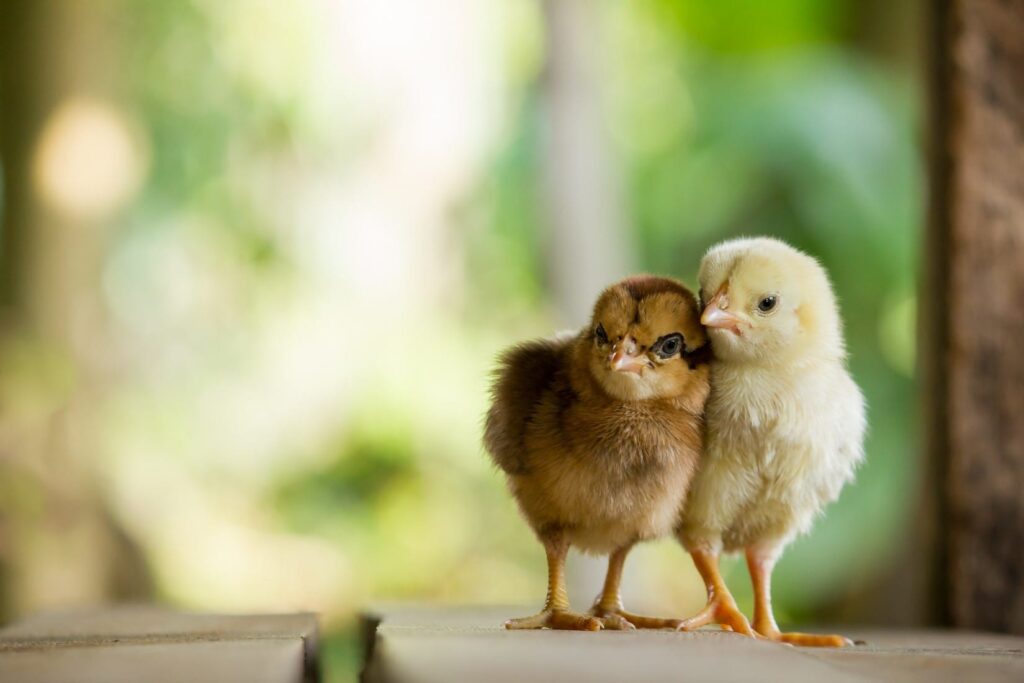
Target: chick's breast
pixel 779 448
pixel 606 472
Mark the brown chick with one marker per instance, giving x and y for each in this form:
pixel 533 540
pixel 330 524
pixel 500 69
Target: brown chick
pixel 599 435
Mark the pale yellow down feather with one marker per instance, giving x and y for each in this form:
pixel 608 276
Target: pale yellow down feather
pixel 785 422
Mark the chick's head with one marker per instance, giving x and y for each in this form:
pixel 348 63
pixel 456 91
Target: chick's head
pixel 644 339
pixel 766 301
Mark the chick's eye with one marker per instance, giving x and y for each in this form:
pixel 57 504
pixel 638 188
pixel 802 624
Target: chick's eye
pixel 767 303
pixel 668 346
pixel 601 335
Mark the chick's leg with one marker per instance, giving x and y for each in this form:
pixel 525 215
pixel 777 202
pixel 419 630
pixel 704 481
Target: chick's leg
pixel 609 605
pixel 556 612
pixel 721 608
pixel 761 561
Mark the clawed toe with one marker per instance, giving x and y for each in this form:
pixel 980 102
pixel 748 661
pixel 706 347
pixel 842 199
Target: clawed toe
pixel 721 612
pixel 767 629
pixel 618 619
pixel 556 619
pixel 813 640
pixel 616 622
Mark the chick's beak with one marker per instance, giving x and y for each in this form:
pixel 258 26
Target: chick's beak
pixel 621 362
pixel 716 316
pixel 625 358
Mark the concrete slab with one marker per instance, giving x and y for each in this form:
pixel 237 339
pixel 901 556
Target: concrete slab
pixel 424 645
pixel 154 644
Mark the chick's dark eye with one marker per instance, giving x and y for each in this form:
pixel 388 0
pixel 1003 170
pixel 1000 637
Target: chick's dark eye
pixel 767 303
pixel 669 345
pixel 601 335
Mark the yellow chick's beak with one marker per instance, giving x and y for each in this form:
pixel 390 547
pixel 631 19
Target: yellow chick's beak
pixel 716 316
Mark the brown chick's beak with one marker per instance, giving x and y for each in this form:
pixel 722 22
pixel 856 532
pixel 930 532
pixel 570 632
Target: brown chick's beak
pixel 623 362
pixel 715 317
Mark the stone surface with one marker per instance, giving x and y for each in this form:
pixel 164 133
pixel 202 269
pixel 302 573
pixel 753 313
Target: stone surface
pixel 153 644
pixel 406 645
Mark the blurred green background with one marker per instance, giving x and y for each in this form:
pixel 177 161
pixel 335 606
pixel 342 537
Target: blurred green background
pixel 258 258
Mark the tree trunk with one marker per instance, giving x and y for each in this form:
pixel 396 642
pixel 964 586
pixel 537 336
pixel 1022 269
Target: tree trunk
pixel 58 546
pixel 977 264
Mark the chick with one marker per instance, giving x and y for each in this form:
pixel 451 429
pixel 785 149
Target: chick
pixel 785 422
pixel 599 433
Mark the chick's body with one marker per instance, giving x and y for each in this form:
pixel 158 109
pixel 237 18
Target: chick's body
pixel 785 422
pixel 599 434
pixel 780 447
pixel 605 471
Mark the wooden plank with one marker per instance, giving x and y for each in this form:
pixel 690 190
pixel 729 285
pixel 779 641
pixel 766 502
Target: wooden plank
pixel 424 645
pixel 241 661
pixel 153 644
pixel 977 247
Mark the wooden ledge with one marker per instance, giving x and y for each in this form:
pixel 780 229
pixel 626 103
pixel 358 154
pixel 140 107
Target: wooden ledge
pixel 143 643
pixel 427 645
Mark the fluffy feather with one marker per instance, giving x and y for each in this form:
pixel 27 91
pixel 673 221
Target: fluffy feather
pixel 785 422
pixel 598 457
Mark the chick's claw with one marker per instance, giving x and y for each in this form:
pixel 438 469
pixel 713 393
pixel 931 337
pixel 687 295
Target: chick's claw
pixel 616 622
pixel 723 612
pixel 619 619
pixel 806 639
pixel 560 620
pixel 650 622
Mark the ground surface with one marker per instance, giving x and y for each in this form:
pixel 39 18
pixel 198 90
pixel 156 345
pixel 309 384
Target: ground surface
pixel 156 645
pixel 406 645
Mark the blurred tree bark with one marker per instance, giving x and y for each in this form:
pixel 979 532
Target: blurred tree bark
pixel 58 546
pixel 976 249
pixel 19 107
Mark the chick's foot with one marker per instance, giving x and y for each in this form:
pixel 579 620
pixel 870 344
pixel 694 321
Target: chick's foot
pixel 618 619
pixel 771 632
pixel 721 610
pixel 761 562
pixel 561 620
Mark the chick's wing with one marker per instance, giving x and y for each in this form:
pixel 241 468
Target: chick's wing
pixel 526 374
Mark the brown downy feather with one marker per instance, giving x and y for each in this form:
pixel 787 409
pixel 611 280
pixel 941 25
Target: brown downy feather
pixel 604 456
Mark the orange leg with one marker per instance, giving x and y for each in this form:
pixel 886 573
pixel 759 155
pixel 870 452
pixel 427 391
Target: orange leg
pixel 609 605
pixel 761 562
pixel 556 614
pixel 721 607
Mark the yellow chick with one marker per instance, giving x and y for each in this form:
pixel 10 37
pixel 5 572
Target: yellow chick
pixel 785 422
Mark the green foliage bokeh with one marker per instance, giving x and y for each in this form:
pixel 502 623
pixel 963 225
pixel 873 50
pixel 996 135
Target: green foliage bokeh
pixel 726 119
